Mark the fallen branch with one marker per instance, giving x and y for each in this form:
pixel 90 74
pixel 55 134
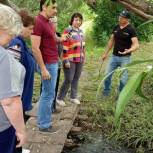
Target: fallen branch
pixel 136 10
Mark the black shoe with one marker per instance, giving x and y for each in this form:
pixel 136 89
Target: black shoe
pixel 50 130
pixel 18 150
pixel 57 110
pixel 105 94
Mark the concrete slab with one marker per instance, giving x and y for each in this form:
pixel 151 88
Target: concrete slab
pixel 50 143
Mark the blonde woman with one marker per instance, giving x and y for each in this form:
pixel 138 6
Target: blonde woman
pixel 12 73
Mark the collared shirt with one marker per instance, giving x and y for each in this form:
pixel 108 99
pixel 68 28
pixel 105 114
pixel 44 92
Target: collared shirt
pixel 48 44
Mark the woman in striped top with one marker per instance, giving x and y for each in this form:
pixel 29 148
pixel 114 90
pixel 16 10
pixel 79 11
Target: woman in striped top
pixel 73 59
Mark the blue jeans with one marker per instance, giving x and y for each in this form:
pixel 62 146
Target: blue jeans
pixel 114 63
pixel 47 97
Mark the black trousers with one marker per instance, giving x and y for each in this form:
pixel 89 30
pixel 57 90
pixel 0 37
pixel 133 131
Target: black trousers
pixel 56 89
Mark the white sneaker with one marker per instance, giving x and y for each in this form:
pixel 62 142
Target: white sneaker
pixel 25 151
pixel 76 101
pixel 60 102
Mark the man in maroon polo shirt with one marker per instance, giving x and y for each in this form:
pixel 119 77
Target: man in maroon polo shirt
pixel 44 48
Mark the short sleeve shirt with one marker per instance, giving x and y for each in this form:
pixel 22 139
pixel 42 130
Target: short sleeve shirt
pixel 11 82
pixel 48 45
pixel 123 38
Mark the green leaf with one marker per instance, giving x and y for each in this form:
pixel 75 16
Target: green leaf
pixel 139 62
pixel 145 23
pixel 100 85
pixel 127 93
pixel 139 89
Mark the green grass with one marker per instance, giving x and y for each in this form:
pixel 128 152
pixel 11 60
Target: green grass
pixel 36 90
pixel 136 128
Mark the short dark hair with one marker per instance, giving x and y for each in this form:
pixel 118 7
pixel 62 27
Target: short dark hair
pixel 46 2
pixel 76 15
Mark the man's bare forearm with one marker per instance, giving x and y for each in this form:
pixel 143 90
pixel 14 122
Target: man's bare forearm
pixel 134 46
pixel 35 41
pixel 38 57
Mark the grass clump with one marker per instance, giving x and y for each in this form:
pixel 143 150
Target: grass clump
pixel 136 129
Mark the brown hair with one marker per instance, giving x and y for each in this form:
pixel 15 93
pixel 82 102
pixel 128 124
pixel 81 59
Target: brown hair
pixel 46 2
pixel 27 19
pixel 76 15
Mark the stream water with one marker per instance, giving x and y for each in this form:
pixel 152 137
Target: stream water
pixel 96 143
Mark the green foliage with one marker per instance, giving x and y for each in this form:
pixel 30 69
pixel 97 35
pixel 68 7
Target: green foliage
pixel 132 85
pixel 107 13
pixel 65 10
pixel 106 20
pixel 150 1
pixel 31 5
pixel 136 125
pixel 139 89
pixel 145 33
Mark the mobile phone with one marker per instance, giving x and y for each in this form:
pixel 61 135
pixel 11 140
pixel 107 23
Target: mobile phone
pixel 70 32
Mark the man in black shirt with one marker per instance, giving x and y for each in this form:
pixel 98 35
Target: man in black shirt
pixel 124 40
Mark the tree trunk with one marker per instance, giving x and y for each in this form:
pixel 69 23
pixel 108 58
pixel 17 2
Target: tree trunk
pixel 141 7
pixel 91 3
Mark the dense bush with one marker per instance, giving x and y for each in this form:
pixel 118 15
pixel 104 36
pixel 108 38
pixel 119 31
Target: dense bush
pixel 105 20
pixel 65 9
pixel 107 16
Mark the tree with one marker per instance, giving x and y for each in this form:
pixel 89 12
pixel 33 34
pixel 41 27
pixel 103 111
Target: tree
pixel 143 8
